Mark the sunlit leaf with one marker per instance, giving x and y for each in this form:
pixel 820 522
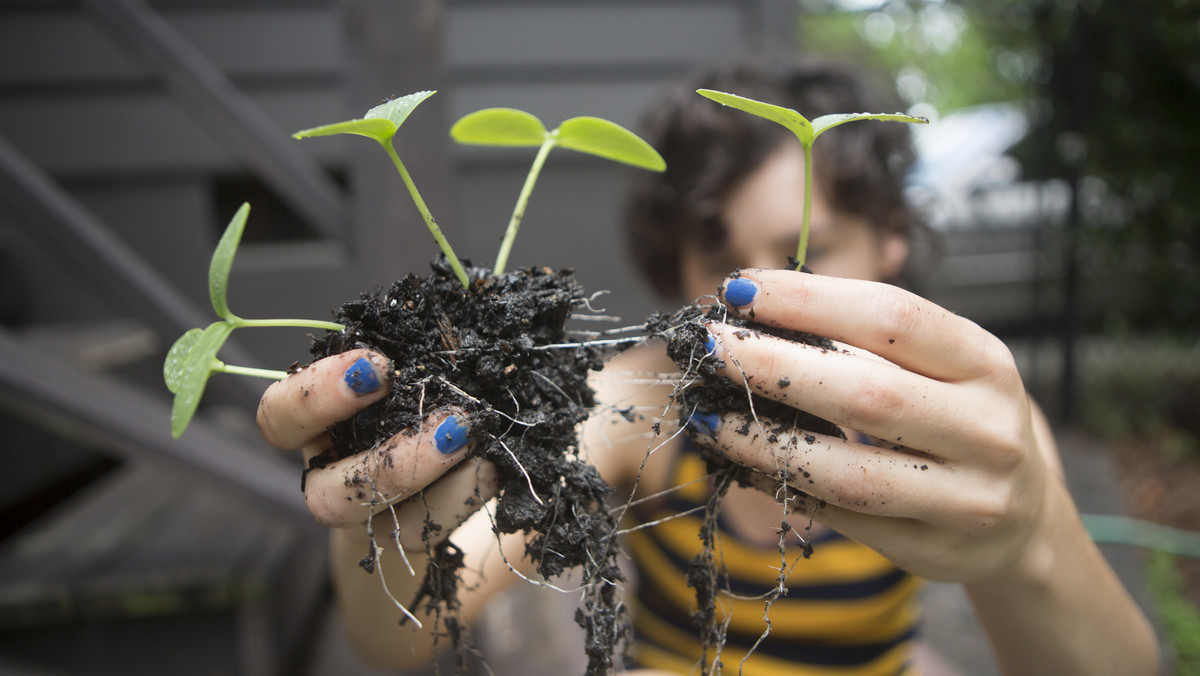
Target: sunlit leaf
pixel 398 109
pixel 499 127
pixel 177 358
pixel 379 129
pixel 379 123
pixel 609 140
pixel 797 123
pixel 192 378
pixel 826 122
pixel 222 262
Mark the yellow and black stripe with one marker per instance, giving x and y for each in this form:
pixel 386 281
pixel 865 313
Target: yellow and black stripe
pixel 848 611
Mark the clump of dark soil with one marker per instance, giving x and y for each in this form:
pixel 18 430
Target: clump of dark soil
pixel 498 351
pixel 685 334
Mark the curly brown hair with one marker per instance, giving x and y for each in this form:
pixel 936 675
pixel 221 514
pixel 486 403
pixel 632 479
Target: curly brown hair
pixel 710 149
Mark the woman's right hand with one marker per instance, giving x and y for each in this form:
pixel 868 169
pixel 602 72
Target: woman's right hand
pixel 296 413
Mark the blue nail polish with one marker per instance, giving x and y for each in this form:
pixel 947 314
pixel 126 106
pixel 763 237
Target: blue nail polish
pixel 710 346
pixel 740 292
pixel 704 423
pixel 361 377
pixel 451 435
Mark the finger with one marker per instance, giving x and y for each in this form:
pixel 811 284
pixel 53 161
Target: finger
pixel 446 504
pixel 880 318
pixel 854 476
pixel 895 538
pixel 865 395
pixel 350 490
pixel 295 411
pixel 914 546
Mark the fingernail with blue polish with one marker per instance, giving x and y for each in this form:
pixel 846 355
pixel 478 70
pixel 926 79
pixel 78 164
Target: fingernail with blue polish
pixel 451 435
pixel 740 292
pixel 710 345
pixel 704 423
pixel 362 378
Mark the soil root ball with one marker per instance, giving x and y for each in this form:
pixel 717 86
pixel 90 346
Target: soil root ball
pixel 483 351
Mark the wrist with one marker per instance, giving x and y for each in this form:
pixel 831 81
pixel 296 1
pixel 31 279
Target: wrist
pixel 1056 530
pixel 1057 607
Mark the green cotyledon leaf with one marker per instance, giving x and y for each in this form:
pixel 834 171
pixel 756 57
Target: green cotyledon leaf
pixel 177 358
pixel 596 136
pixel 379 123
pixel 193 376
pixel 826 122
pixel 499 127
pixel 797 123
pixel 222 263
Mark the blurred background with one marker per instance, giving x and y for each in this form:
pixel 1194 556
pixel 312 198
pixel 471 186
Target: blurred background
pixel 1058 178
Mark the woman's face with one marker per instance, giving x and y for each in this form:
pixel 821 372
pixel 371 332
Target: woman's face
pixel 763 216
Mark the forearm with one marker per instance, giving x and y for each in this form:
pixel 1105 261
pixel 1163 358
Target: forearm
pixel 1060 609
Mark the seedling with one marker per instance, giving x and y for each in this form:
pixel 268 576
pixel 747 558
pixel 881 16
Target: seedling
pixel 489 344
pixel 380 124
pixel 497 127
pixel 517 128
pixel 806 132
pixel 193 358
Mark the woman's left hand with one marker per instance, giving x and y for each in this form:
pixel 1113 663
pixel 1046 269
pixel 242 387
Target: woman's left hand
pixel 956 486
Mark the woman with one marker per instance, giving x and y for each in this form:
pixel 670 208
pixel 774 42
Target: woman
pixel 948 471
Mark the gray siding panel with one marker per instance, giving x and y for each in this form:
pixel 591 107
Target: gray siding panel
pixel 64 48
pixel 541 35
pixel 165 222
pixel 40 48
pixel 114 133
pixel 72 101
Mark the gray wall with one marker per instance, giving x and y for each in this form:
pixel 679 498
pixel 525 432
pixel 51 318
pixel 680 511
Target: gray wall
pixel 80 109
pixel 87 116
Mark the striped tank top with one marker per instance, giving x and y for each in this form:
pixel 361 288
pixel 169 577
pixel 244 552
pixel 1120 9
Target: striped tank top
pixel 848 610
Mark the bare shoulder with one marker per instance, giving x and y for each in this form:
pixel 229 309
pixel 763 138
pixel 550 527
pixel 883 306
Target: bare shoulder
pixel 633 393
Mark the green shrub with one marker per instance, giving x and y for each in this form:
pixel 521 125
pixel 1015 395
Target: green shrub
pixel 1180 617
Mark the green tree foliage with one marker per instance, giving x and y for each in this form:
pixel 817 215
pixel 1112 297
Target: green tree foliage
pixel 1180 618
pixel 1113 95
pixel 943 54
pixel 1123 91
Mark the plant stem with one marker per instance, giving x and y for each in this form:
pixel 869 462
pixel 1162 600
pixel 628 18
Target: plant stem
pixel 802 249
pixel 298 323
pixel 247 371
pixel 429 222
pixel 518 215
